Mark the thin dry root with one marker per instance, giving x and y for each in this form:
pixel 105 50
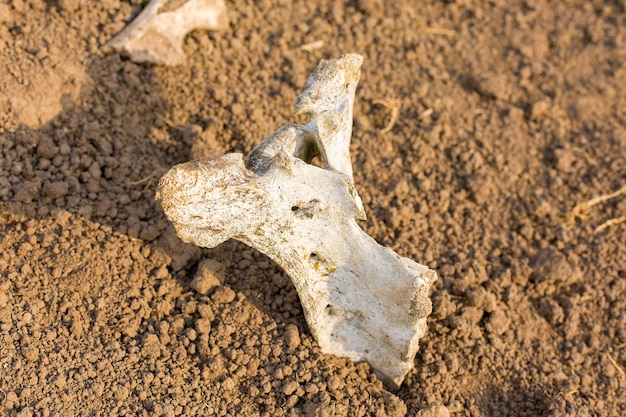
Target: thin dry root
pixel 568 394
pixel 394 106
pixel 616 365
pixel 609 223
pixel 440 31
pixel 581 211
pixel 147 179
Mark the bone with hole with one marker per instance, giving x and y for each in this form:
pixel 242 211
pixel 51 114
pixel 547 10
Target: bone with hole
pixel 361 300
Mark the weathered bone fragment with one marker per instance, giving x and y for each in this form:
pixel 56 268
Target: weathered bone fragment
pixel 360 299
pixel 157 34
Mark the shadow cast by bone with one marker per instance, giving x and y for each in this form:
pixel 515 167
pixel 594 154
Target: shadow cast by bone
pixel 264 284
pixel 504 399
pixel 100 158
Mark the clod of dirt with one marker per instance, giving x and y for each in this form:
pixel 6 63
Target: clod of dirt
pixel 540 109
pixel 70 5
pixel 498 323
pixel 6 14
pixel 552 311
pixel 435 410
pixel 178 254
pixel 370 7
pixel 56 189
pixel 210 274
pixel 492 85
pixel 292 336
pixel 551 269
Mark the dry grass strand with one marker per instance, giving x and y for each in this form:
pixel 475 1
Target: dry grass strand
pixel 581 210
pixel 394 106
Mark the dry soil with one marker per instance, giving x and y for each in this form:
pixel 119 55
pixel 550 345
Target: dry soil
pixel 509 114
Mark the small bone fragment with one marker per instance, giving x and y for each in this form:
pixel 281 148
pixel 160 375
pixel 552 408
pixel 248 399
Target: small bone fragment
pixel 157 34
pixel 360 299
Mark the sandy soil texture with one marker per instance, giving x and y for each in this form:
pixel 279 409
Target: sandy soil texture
pixel 479 126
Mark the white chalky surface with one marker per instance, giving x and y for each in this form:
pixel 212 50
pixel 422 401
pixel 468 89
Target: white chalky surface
pixel 360 299
pixel 157 34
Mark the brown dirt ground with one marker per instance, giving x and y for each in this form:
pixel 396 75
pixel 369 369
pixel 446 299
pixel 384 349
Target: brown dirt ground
pixel 510 113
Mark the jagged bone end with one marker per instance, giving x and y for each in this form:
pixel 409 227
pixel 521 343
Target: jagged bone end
pixel 156 35
pixel 328 97
pixel 360 299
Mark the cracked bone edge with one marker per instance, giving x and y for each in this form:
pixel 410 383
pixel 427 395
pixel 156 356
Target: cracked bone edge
pixel 361 300
pixel 157 34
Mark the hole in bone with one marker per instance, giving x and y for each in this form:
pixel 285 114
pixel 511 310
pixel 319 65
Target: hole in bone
pixel 310 153
pixel 313 256
pixel 329 310
pixel 305 209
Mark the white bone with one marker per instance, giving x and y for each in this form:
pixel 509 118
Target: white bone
pixel 157 34
pixel 360 299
